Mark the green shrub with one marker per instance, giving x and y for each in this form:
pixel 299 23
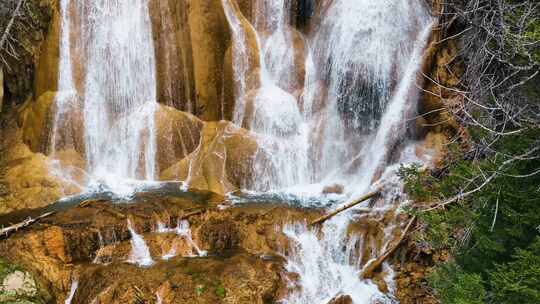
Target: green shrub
pixel 518 281
pixel 454 286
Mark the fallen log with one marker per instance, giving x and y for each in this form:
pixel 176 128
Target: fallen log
pixel 88 202
pixel 372 265
pixel 113 212
pixel 27 222
pixel 190 214
pixel 364 198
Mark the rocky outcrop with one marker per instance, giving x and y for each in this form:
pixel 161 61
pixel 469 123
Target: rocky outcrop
pixel 341 300
pixel 47 64
pixel 417 262
pixel 177 134
pixel 28 175
pixel 92 243
pixel 37 118
pixel 209 36
pixel 30 181
pixel 222 162
pixel 35 121
pixel 442 70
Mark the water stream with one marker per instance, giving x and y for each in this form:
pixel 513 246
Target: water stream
pixel 183 231
pixel 72 291
pixel 140 253
pixel 114 93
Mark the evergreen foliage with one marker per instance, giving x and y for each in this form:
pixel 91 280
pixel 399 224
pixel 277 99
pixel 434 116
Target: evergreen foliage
pixel 484 204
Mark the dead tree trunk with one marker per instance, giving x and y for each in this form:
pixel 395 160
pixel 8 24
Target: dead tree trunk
pixel 372 265
pixel 345 207
pixel 27 222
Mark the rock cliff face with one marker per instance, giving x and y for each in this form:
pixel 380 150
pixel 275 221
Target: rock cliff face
pixel 442 68
pixel 223 161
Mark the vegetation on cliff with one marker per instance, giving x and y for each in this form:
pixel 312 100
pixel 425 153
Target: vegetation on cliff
pixel 23 25
pixel 484 204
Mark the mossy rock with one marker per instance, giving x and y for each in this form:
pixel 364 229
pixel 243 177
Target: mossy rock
pixel 18 286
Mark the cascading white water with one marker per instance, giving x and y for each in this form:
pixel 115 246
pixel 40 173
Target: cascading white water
pixel 140 253
pixel 263 106
pixel 271 23
pixel 120 90
pixel 66 88
pixel 325 269
pixel 335 268
pixel 117 94
pixel 72 291
pixel 362 52
pixel 361 66
pixel 184 231
pixel 307 144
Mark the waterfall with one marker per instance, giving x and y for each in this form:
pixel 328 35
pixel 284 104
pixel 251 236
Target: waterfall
pixel 182 230
pixel 140 253
pixel 271 23
pixel 72 290
pixel 361 64
pixel 113 92
pixel 66 87
pixel 332 118
pixel 328 263
pixel 325 269
pixel 363 50
pixel 262 105
pixel 318 138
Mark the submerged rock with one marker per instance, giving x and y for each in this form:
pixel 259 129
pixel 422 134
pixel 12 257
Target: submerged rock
pixel 343 299
pixel 336 188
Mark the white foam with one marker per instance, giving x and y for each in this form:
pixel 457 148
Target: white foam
pixel 140 253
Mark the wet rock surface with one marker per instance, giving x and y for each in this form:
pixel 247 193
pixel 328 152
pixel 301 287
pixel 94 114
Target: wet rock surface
pixel 343 299
pixel 90 242
pixel 223 161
